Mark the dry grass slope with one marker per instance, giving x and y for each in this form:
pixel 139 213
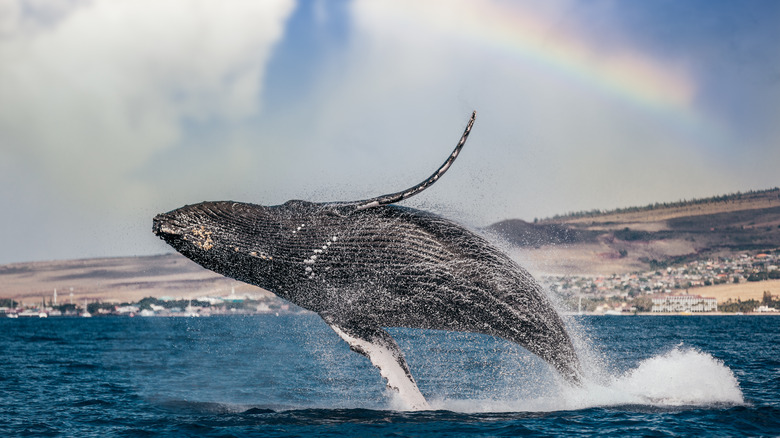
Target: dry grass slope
pixel 636 239
pixel 121 279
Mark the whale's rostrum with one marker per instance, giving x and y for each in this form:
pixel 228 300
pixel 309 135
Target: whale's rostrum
pixel 365 265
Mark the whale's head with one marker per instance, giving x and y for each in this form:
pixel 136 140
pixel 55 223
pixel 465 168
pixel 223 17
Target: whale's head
pixel 222 236
pixel 189 228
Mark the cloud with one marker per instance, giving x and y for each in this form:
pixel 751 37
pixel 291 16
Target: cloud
pixel 90 94
pixel 93 91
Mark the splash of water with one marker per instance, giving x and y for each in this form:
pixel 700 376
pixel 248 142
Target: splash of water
pixel 680 377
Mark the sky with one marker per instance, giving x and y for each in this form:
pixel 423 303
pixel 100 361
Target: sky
pixel 112 111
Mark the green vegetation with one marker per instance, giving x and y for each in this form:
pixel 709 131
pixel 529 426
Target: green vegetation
pixel 663 264
pixel 738 306
pixel 630 235
pixel 99 308
pixel 8 302
pixel 768 300
pixel 758 276
pixel 94 308
pixel 642 303
pixel 66 308
pixel 146 303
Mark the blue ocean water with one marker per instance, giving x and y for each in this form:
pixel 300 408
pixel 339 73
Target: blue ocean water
pixel 290 375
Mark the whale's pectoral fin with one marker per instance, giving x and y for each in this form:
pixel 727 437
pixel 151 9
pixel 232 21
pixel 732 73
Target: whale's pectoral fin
pixel 382 350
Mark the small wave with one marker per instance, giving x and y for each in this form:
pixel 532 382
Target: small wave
pixel 80 366
pixel 256 411
pixel 91 402
pixel 679 378
pixel 217 408
pixel 43 338
pixel 201 407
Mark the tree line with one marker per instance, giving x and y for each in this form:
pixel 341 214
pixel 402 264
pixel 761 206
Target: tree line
pixel 738 305
pixel 738 196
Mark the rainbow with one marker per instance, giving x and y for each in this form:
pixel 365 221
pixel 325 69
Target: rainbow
pixel 627 75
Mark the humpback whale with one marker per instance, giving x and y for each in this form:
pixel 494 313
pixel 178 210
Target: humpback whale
pixel 364 265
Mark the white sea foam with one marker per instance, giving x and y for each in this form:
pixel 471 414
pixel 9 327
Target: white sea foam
pixel 680 377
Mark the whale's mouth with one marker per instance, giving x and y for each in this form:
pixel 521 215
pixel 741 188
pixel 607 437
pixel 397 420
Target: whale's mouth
pixel 163 225
pixel 166 228
pixel 169 229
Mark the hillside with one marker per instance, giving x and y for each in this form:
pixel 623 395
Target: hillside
pixel 641 238
pixel 119 279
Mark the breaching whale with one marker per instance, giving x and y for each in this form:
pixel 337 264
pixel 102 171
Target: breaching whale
pixel 365 265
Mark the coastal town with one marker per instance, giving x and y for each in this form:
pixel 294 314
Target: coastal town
pixel 671 288
pixel 208 305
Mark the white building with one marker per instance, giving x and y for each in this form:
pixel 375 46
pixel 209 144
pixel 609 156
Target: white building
pixel 684 303
pixel 763 309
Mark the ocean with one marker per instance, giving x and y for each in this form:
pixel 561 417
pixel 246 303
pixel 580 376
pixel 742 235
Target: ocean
pixel 290 375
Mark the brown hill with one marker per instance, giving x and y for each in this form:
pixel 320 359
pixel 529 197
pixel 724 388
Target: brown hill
pixel 120 279
pixel 641 238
